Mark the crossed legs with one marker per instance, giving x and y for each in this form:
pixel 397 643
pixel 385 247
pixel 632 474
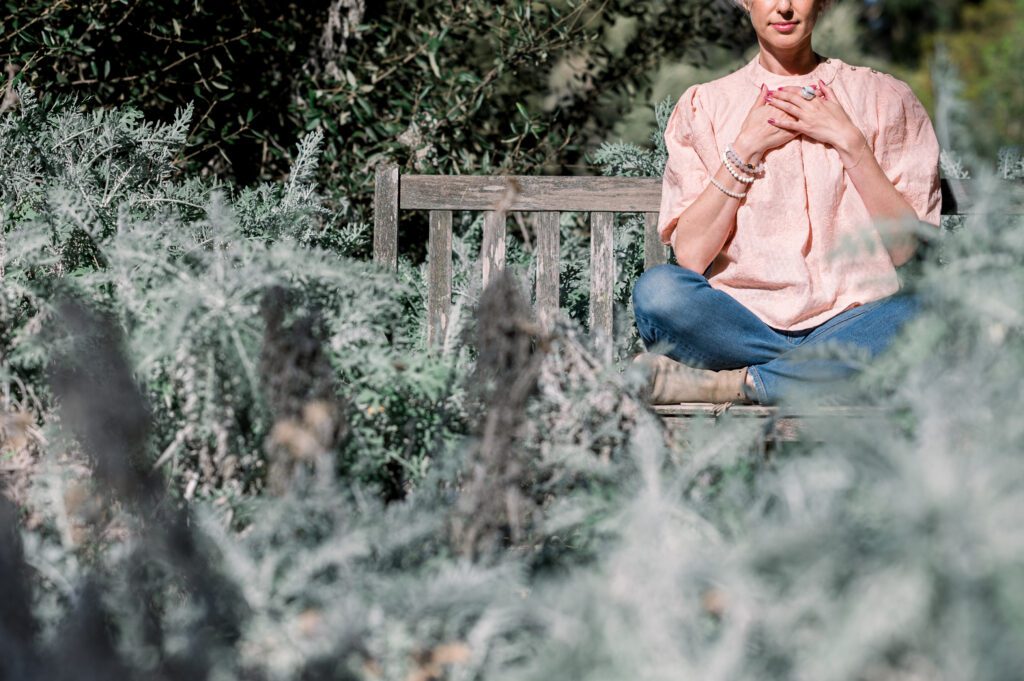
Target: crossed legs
pixel 706 328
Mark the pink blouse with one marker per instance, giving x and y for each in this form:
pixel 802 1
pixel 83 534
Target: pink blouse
pixel 804 247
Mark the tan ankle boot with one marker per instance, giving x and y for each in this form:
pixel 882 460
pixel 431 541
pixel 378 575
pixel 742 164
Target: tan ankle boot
pixel 671 382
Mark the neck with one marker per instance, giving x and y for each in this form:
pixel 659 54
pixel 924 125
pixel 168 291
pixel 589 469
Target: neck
pixel 794 62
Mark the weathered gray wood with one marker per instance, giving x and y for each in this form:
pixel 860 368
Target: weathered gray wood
pixel 439 291
pixel 655 252
pixel 788 429
pixel 385 216
pixel 689 409
pixel 547 251
pixel 493 255
pixel 531 193
pixel 602 281
pixel 588 193
pixel 779 424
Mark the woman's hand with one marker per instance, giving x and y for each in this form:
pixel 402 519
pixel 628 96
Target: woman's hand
pixel 757 135
pixel 822 118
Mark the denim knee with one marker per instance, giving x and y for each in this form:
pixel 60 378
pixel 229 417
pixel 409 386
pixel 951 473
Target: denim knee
pixel 661 293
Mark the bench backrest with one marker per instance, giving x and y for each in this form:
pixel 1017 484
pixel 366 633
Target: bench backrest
pixel 546 197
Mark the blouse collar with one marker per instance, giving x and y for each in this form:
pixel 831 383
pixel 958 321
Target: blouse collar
pixel 758 74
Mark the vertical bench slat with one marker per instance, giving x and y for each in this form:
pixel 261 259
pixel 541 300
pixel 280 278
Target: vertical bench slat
pixel 385 216
pixel 547 265
pixel 493 255
pixel 655 252
pixel 439 291
pixel 602 280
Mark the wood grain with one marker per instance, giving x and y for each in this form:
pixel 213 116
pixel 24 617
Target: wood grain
pixel 598 193
pixel 778 424
pixel 546 225
pixel 439 290
pixel 493 255
pixel 688 409
pixel 602 281
pixel 655 252
pixel 531 193
pixel 385 216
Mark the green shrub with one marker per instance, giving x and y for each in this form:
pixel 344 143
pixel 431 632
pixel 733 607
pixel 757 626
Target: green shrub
pixel 90 207
pixel 469 87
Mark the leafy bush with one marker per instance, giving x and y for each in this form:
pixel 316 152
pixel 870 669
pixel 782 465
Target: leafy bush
pixel 469 87
pixel 90 208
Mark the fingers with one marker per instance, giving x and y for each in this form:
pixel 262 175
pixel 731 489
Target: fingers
pixel 761 98
pixel 782 102
pixel 825 91
pixel 788 94
pixel 781 122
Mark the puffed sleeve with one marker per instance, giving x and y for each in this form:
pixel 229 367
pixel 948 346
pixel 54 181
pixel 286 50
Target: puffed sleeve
pixel 691 147
pixel 907 149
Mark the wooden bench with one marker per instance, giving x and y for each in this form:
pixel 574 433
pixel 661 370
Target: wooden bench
pixel 546 197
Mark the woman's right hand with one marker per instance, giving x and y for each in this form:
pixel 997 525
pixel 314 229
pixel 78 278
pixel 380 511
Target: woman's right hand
pixel 756 134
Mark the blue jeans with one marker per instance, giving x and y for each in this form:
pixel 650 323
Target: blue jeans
pixel 707 328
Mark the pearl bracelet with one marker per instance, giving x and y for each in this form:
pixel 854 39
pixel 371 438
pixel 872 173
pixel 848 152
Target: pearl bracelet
pixel 728 165
pixel 735 195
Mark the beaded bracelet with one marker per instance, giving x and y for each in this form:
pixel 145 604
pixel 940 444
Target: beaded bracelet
pixel 728 165
pixel 753 170
pixel 745 166
pixel 735 195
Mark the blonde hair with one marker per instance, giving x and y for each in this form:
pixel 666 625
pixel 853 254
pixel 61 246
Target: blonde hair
pixel 823 4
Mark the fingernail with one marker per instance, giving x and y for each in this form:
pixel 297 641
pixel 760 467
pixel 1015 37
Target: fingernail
pixel 772 121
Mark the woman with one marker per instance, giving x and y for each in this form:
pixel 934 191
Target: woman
pixel 779 202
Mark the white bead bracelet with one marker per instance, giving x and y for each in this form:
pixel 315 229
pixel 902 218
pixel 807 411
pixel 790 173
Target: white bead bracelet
pixel 735 195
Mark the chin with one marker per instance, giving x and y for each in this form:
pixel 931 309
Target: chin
pixel 784 40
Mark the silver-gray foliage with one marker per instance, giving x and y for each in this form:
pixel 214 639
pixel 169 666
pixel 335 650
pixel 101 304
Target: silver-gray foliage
pixel 92 207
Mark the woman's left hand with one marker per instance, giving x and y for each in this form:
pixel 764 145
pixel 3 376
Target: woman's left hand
pixel 822 118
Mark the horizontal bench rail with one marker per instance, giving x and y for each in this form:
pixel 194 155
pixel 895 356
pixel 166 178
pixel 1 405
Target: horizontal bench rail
pixel 599 193
pixel 526 193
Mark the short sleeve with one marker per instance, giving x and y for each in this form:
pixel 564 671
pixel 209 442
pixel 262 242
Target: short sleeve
pixel 689 139
pixel 908 150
